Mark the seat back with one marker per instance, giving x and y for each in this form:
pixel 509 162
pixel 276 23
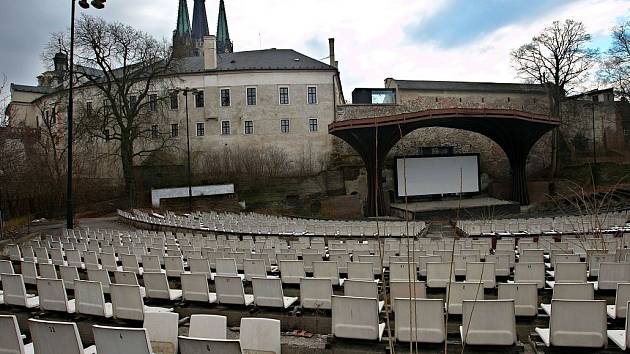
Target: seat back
pixel 14 252
pixel 52 295
pixel 360 288
pixel 573 272
pixel 405 289
pixel 156 285
pixel 101 276
pixel 316 293
pixel 127 302
pixel 68 274
pixel 578 323
pixel 402 271
pixel 47 270
pixel 226 266
pixel 10 337
pixel 419 320
pixel 268 292
pixel 574 291
pixel 174 266
pixel 89 298
pixel 108 261
pixel 199 265
pixel 622 297
pixel 355 317
pixel 530 273
pixel 229 289
pixel 611 274
pixel 195 287
pixel 6 267
pixel 254 268
pixel 151 263
pixel 90 259
pixel 117 340
pixel 162 330
pixel 189 345
pixel 260 335
pixel 438 274
pixel 74 258
pixel 489 322
pixel 291 271
pixel 14 289
pixel 525 296
pixel 457 292
pixel 29 272
pixel 482 271
pixel 208 326
pixel 375 260
pixel 126 278
pixel 326 269
pixel 52 337
pixel 360 271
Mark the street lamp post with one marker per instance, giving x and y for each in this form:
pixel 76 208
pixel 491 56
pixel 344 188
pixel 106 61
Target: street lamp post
pixel 594 148
pixel 97 4
pixel 188 168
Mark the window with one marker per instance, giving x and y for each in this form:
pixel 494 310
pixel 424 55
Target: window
pixel 106 134
pixel 153 102
pixel 312 95
pixel 312 125
pixel 132 101
pixel 284 125
pixel 283 92
pixel 201 129
pixel 155 131
pixel 225 97
pixel 199 99
pixel 174 130
pixel 249 127
pixel 174 100
pixel 88 108
pixel 251 96
pixel 225 127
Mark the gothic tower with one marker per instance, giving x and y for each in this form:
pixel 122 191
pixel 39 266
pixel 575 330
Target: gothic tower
pixel 224 44
pixel 199 26
pixel 182 40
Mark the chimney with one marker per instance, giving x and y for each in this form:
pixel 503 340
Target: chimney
pixel 210 52
pixel 331 48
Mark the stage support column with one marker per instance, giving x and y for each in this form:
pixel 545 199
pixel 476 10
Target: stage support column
pixel 518 164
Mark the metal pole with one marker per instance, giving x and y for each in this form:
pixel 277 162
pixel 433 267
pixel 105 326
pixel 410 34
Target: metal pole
pixel 594 148
pixel 69 196
pixel 188 154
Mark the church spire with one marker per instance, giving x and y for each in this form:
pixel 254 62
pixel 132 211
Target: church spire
pixel 200 21
pixel 224 44
pixel 182 43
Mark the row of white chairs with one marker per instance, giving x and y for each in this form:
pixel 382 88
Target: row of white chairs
pixel 159 335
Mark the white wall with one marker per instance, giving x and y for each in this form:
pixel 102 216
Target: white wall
pixel 437 175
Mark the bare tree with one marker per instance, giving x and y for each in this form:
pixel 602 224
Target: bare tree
pixel 559 58
pixel 124 74
pixel 616 63
pixel 3 101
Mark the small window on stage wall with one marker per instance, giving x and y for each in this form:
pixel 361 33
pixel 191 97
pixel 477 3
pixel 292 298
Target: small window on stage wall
pixel 249 127
pixel 199 99
pixel 225 127
pixel 201 129
pixel 225 97
pixel 152 102
pixel 284 125
pixel 312 95
pixel 174 100
pixel 174 130
pixel 155 131
pixel 312 125
pixel 283 93
pixel 251 96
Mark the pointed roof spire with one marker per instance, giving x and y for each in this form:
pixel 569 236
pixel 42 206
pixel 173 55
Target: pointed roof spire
pixel 200 21
pixel 224 44
pixel 183 20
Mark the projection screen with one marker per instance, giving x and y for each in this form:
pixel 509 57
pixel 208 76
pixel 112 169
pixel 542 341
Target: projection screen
pixel 437 175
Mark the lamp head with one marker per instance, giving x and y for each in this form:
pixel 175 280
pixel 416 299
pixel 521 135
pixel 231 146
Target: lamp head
pixel 84 4
pixel 98 4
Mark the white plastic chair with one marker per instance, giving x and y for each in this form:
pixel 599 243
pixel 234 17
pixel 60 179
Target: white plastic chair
pixel 356 317
pixel 101 276
pixel 157 287
pixel 621 337
pixel 622 296
pixel 316 293
pixel 530 273
pixel 291 271
pixel 230 290
pixel 426 317
pixel 174 266
pixel 53 337
pixel 363 288
pixel 576 323
pixel 52 296
pixel 190 345
pixel 457 292
pixel 195 288
pixel 29 272
pixel 208 326
pixel 89 299
pixel 438 274
pixel 570 291
pixel 611 274
pixel 360 271
pixel 11 341
pixel 254 268
pixel 488 322
pixel 127 303
pixel 69 274
pixel 268 293
pixel 574 272
pixel 14 292
pixel 483 272
pixel 162 329
pixel 260 335
pixel 525 296
pixel 118 340
pixel 407 290
pixel 327 269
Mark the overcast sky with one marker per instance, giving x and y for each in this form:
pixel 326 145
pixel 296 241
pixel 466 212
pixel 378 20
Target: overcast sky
pixel 466 40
